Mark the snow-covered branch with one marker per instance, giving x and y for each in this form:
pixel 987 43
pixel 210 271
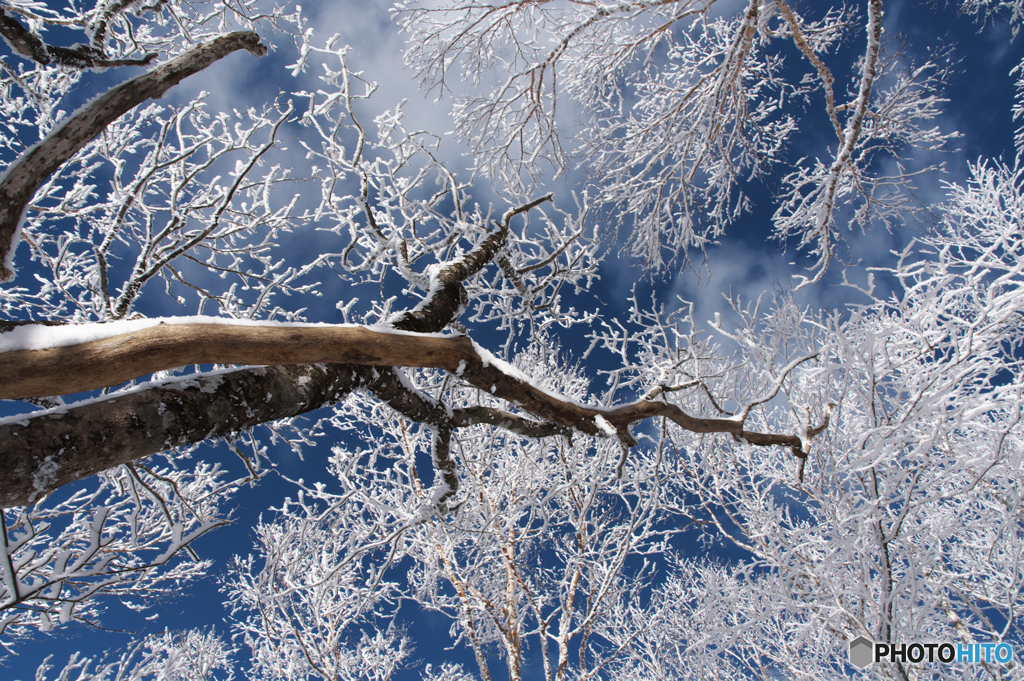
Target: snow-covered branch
pixel 23 177
pixel 145 413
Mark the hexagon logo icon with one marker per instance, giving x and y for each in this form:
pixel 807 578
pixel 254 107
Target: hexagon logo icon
pixel 860 652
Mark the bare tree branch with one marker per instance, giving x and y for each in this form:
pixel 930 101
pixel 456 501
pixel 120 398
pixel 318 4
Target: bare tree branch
pixel 31 46
pixel 450 297
pixel 25 175
pixel 123 427
pixel 468 416
pixel 112 361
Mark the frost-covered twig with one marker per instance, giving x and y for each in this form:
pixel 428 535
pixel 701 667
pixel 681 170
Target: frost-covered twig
pixel 23 177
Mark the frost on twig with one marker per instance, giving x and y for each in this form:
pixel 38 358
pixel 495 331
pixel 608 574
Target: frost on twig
pixel 23 177
pixel 80 56
pixel 509 270
pixel 193 655
pixel 536 499
pixel 119 536
pixel 685 104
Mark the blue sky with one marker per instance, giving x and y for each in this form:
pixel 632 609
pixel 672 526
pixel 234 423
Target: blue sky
pixel 980 90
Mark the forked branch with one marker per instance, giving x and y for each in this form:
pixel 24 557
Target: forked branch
pixel 98 434
pixel 31 46
pixel 26 174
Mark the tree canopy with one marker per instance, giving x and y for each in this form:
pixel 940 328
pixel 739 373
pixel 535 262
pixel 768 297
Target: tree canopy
pixel 195 286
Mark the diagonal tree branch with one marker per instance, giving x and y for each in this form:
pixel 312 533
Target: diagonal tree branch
pixel 26 174
pixel 448 297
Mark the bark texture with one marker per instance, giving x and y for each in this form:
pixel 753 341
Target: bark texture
pixel 63 445
pixel 112 361
pixel 41 453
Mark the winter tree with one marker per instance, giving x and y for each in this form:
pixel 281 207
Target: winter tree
pixel 663 499
pixel 185 656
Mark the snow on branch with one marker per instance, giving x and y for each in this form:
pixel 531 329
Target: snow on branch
pixel 111 361
pixel 684 104
pixel 151 419
pixel 32 47
pixel 24 176
pixel 116 536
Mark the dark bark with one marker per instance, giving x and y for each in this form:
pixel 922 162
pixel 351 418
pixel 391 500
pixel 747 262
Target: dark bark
pixel 468 416
pixel 449 298
pixel 447 302
pixel 31 46
pixel 42 453
pixel 421 408
pixel 26 174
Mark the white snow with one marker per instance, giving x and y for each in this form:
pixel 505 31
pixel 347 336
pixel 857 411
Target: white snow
pixel 603 424
pixel 488 359
pixel 504 367
pixel 44 478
